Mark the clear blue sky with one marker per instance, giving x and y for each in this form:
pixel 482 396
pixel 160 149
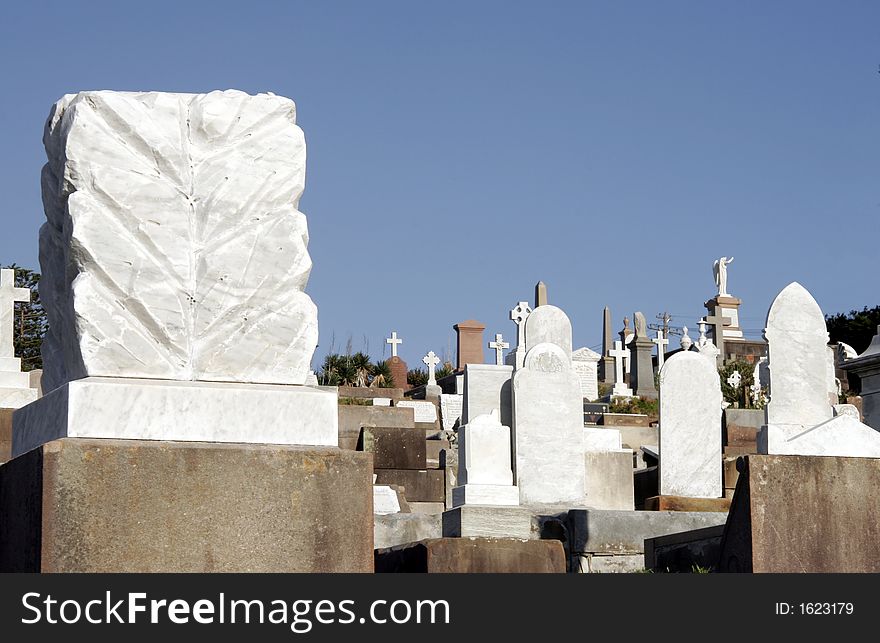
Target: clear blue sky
pixel 461 151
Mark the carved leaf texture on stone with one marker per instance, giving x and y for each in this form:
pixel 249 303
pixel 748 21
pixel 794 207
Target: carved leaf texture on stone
pixel 173 246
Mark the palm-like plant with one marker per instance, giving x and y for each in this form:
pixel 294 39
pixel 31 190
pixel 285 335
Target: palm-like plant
pixel 382 377
pixel 362 369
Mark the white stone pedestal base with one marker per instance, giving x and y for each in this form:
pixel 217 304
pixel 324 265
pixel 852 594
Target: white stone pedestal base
pixel 485 494
pixel 103 407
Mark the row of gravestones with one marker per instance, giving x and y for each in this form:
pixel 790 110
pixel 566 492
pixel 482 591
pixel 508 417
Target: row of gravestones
pixel 523 439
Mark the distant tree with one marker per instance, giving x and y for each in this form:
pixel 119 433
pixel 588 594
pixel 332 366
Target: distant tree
pixel 30 321
pixel 855 328
pixel 354 370
pixel 417 377
pixel 382 377
pixel 444 370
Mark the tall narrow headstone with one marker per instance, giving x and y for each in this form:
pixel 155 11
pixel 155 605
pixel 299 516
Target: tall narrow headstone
pixel 690 427
pixel 642 371
pixel 548 428
pixel 800 417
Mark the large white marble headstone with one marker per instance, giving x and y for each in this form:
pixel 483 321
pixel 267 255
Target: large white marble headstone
pixel 690 427
pixel 800 416
pixel 548 427
pixel 173 247
pixel 173 266
pixel 548 324
pixel 798 359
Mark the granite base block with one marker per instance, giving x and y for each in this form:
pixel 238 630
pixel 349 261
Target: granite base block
pixel 419 486
pixel 474 556
pixel 101 505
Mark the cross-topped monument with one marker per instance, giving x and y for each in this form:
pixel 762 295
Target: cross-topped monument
pixel 394 340
pixel 518 315
pixel 499 345
pixel 619 353
pixel 9 295
pixel 661 342
pixel 431 360
pixel 718 322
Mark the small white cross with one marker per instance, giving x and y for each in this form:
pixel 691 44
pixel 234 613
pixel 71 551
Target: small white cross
pixel 431 361
pixel 9 294
pixel 394 341
pixel 661 342
pixel 734 380
pixel 499 345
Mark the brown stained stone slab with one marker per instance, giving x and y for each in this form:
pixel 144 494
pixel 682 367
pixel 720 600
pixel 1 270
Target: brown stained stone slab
pixel 682 503
pixel 89 505
pixel 804 514
pixel 5 434
pixel 730 473
pixel 419 486
pixel 432 452
pixel 353 417
pixel 394 448
pixel 473 556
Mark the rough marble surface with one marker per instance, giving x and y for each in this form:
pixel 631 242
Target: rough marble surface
pixel 690 427
pixel 98 407
pixel 173 247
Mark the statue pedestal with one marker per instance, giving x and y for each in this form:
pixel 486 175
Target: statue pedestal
pixel 727 306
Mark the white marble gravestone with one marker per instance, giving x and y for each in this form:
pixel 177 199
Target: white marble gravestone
pixel 486 389
pixel 690 427
pixel 485 475
pixel 423 411
pixel 548 427
pixel 586 366
pixel 174 262
pixel 15 386
pixel 450 409
pixel 548 324
pixel 800 416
